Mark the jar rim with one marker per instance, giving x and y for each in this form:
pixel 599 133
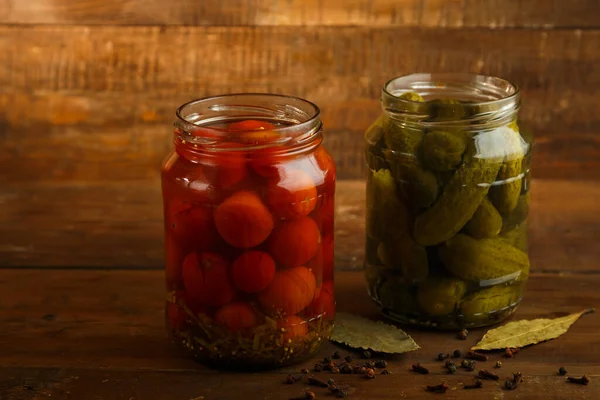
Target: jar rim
pixel 301 116
pixel 443 80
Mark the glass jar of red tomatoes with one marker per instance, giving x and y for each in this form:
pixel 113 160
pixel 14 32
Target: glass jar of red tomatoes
pixel 248 194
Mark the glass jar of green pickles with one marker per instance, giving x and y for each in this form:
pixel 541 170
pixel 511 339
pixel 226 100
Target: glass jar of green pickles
pixel 447 201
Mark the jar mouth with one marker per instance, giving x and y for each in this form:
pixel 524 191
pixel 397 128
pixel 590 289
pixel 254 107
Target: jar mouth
pixel 300 119
pixel 477 95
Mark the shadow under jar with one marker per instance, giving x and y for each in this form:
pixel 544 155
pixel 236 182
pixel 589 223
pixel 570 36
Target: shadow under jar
pixel 248 195
pixel 447 201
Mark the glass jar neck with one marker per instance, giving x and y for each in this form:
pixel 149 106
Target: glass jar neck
pixel 452 99
pixel 201 125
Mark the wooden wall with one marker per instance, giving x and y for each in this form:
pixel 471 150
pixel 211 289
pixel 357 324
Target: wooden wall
pixel 88 89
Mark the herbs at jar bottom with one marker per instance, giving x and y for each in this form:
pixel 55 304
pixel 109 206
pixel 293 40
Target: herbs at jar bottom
pixel 447 210
pixel 268 345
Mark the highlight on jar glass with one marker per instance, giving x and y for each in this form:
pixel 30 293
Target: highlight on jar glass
pixel 447 201
pixel 248 195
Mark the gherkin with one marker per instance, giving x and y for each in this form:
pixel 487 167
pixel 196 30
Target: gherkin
pixel 486 261
pixel 405 256
pixel 479 305
pixel 486 222
pixel 439 296
pixel 443 150
pixel 396 294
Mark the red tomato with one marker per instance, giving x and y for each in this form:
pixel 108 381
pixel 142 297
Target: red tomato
pixel 225 169
pixel 174 254
pixel 238 316
pixel 295 242
pixel 206 278
pixel 292 327
pixel 194 228
pixel 253 271
pixel 250 125
pixel 323 305
pixel 292 195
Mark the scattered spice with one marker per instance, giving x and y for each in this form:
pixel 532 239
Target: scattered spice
pixel 304 371
pixel 442 356
pixel 498 364
pixel 349 358
pixel 584 380
pixel 451 368
pixel 380 364
pixel 418 368
pixel 316 382
pixel 512 385
pixel 509 353
pixel 362 370
pixel 370 364
pixel 471 355
pixel 326 360
pixel 346 369
pixel 562 371
pixel 335 370
pixel 308 395
pixel 463 334
pixel 336 355
pixel 331 384
pixel 457 354
pixel 468 365
pixel 291 379
pixel 318 367
pixel 370 374
pixel 441 388
pixel 485 374
pixel 477 385
pixel 366 354
pixel 330 366
pixel 385 372
pixel 448 363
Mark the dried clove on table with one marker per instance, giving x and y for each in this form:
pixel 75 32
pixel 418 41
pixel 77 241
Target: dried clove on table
pixel 477 385
pixel 471 355
pixel 584 380
pixel 441 388
pixel 418 368
pixel 484 374
pixel 512 385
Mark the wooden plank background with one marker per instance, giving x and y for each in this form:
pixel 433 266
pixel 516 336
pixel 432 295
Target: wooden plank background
pixel 88 90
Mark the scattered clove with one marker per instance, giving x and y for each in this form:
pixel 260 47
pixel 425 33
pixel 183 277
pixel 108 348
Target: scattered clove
pixel 316 382
pixel 457 354
pixel 512 385
pixel 463 334
pixel 330 366
pixel 442 356
pixel 380 364
pixel 385 372
pixel 335 370
pixel 468 365
pixel 449 363
pixel 441 388
pixel 498 364
pixel 318 367
pixel 485 374
pixel 291 379
pixel 477 385
pixel 346 369
pixel 584 380
pixel 370 374
pixel 562 371
pixel 418 368
pixel 308 395
pixel 304 371
pixel 326 360
pixel 451 368
pixel 471 355
pixel 509 353
pixel 370 364
pixel 349 358
pixel 366 354
pixel 336 355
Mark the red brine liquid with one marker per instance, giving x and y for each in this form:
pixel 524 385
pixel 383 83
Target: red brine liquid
pixel 249 245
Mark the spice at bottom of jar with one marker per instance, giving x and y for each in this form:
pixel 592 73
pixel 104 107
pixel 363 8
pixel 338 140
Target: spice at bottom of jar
pixel 241 338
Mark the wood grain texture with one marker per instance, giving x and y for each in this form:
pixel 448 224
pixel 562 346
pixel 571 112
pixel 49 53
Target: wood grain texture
pixel 119 225
pixel 107 94
pixel 429 13
pixel 99 335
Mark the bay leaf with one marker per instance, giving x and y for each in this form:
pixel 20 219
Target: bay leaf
pixel 359 332
pixel 525 332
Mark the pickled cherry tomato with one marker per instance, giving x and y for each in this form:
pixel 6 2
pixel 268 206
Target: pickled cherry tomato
pixel 194 228
pixel 290 291
pixel 253 271
pixel 250 125
pixel 292 327
pixel 243 220
pixel 206 278
pixel 225 169
pixel 175 316
pixel 238 316
pixel 327 248
pixel 323 305
pixel 291 195
pixel 174 255
pixel 294 242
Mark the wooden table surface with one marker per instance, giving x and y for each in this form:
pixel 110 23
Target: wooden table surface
pixel 73 333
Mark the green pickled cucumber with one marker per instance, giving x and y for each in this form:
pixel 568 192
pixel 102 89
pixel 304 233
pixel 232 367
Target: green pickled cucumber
pixel 439 296
pixel 420 186
pixel 387 215
pixel 517 216
pixel 406 257
pixel 479 305
pixel 396 295
pixel 447 109
pixel 401 138
pixel 506 190
pixel 374 145
pixel 412 96
pixel 442 150
pixel 487 261
pixel 462 195
pixel 486 222
pixel 517 237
